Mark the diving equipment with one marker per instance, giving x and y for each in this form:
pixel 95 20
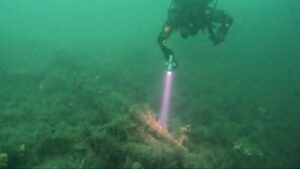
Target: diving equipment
pixel 171 64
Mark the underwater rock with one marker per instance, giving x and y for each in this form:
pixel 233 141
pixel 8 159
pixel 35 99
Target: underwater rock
pixel 245 147
pixel 130 140
pixel 3 160
pixel 137 165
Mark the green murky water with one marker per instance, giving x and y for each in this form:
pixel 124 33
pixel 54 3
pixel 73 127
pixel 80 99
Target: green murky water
pixel 71 72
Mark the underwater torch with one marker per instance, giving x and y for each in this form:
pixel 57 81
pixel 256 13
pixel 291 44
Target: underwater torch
pixel 163 120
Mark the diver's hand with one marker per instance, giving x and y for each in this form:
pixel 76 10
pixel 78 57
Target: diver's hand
pixel 171 61
pixel 168 53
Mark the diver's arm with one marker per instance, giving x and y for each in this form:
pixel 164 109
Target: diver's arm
pixel 163 40
pixel 219 16
pixel 225 24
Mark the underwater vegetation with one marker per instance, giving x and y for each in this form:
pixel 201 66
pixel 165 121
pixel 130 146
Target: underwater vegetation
pixel 81 87
pixel 72 116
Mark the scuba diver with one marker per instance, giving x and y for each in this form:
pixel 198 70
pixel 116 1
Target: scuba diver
pixel 188 17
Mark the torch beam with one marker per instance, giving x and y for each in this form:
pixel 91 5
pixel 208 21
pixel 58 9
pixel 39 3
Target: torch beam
pixel 165 107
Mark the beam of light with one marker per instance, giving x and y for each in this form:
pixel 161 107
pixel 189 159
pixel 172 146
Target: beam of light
pixel 166 100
